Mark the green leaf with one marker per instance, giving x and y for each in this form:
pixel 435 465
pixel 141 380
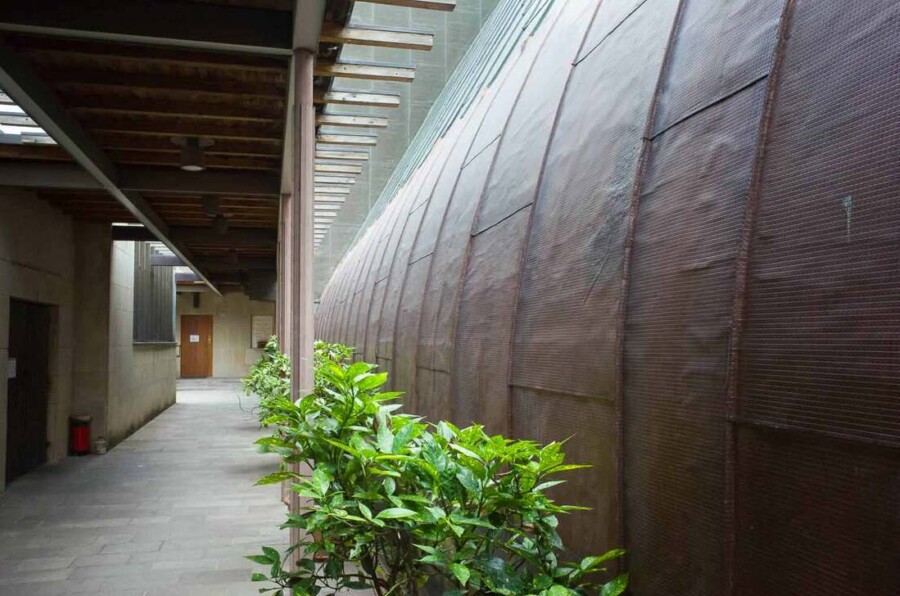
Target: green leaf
pixel 259 577
pixel 273 555
pixel 364 509
pixel 461 572
pixel 395 513
pixel 616 586
pixel 558 590
pixel 466 452
pixel 385 439
pixel 275 478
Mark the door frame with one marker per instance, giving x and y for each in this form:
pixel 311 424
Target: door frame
pixel 209 362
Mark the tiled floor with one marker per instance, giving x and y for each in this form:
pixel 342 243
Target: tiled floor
pixel 171 510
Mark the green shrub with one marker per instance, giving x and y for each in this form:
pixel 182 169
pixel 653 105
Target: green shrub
pixel 269 379
pixel 391 501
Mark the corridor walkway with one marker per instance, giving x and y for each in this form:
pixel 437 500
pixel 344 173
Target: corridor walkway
pixel 172 510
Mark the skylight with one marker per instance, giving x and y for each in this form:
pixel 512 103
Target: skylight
pixel 17 128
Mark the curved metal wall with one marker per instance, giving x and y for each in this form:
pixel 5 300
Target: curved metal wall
pixel 669 229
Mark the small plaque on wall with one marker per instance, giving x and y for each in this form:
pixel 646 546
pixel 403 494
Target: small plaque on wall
pixel 11 366
pixel 263 328
pixel 194 339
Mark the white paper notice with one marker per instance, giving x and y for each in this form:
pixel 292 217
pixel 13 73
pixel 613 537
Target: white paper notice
pixel 195 339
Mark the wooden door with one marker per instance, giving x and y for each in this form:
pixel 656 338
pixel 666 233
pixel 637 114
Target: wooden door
pixel 28 387
pixel 196 346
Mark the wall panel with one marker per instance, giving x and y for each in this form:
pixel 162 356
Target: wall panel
pixel 708 312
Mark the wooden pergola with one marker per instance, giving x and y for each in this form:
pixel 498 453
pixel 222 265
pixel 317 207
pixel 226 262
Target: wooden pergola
pixel 122 87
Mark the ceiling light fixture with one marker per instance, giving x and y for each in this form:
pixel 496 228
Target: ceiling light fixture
pixel 220 224
pixel 193 155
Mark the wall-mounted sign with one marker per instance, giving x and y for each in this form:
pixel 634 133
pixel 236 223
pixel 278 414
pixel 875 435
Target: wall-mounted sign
pixel 11 368
pixel 194 339
pixel 263 328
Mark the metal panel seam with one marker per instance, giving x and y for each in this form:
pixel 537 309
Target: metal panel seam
pixel 739 305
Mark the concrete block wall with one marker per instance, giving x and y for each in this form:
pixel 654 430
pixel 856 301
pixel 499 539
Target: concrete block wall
pixel 36 265
pixel 142 379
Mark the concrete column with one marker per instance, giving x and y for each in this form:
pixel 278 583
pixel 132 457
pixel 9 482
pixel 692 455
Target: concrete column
pixel 299 222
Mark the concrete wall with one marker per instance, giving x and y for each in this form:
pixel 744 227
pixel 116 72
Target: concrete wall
pixel 36 264
pixel 142 379
pixel 453 34
pixel 232 317
pixel 90 386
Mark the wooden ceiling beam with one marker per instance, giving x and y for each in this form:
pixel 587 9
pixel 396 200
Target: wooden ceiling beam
pixel 137 157
pixel 366 70
pixel 68 79
pixel 184 127
pixel 167 23
pixel 172 109
pixel 383 38
pixel 234 238
pixel 140 179
pixel 124 141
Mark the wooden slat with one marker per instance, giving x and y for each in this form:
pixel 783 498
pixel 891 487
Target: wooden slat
pixel 185 127
pixel 371 72
pixel 352 121
pixel 332 190
pixel 65 79
pixel 334 168
pixel 50 152
pixel 353 140
pixel 341 155
pixel 144 142
pixel 330 199
pixel 334 179
pixel 139 107
pixel 367 36
pixel 146 158
pixel 354 98
pixel 445 5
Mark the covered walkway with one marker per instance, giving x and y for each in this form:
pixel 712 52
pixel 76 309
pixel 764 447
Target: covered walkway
pixel 171 510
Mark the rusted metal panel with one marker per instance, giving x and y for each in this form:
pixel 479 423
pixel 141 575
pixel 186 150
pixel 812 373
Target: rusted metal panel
pixel 817 515
pixel 589 424
pixel 721 48
pixel 520 155
pixel 678 322
pixel 481 363
pixel 821 344
pixel 566 321
pixel 713 273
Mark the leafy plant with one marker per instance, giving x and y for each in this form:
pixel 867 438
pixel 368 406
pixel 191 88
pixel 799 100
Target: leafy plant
pixel 269 379
pixel 391 501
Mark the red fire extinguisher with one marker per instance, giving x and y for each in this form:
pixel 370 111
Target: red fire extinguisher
pixel 80 435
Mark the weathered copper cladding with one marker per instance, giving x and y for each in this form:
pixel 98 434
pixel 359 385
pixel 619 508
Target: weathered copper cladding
pixel 670 230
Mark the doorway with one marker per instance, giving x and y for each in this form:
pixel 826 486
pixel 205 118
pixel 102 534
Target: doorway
pixel 196 346
pixel 28 387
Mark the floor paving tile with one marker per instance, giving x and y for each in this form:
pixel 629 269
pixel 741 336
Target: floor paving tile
pixel 171 510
